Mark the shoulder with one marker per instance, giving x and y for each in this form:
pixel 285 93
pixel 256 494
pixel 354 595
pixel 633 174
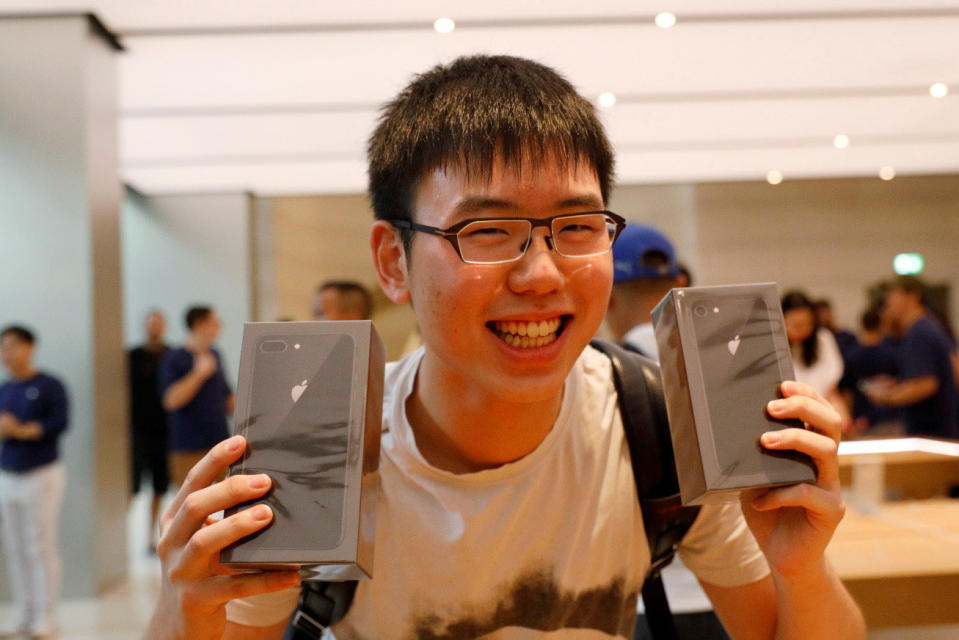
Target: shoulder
pixel 49 382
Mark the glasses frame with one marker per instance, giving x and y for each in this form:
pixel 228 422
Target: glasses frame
pixel 451 233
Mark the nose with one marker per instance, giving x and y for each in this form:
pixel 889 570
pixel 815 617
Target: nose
pixel 537 271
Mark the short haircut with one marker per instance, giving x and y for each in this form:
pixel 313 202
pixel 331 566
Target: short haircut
pixel 822 303
pixel 22 333
pixel 196 314
pixel 471 112
pixel 910 284
pixel 354 295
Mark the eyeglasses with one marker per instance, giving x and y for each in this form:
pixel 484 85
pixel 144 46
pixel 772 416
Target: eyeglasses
pixel 494 241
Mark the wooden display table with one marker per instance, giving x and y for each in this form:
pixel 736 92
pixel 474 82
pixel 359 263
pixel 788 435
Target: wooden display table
pixel 914 468
pixel 901 564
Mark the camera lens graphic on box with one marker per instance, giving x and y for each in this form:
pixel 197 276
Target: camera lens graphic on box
pixel 309 403
pixel 723 353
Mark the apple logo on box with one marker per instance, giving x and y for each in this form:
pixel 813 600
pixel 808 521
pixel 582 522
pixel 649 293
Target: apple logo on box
pixel 298 390
pixel 733 346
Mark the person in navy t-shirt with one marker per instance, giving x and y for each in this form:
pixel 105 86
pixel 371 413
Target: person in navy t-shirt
pixel 195 393
pixel 926 388
pixel 33 415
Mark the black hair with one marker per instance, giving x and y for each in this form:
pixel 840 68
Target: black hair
pixel 196 314
pixel 354 291
pixel 471 112
pixel 22 333
pixel 871 319
pixel 810 346
pixel 684 270
pixel 911 284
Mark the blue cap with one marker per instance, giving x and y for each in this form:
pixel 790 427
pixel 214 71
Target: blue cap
pixel 635 241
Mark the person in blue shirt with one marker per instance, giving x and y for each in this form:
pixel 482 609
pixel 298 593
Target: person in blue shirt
pixel 926 387
pixel 195 393
pixel 33 416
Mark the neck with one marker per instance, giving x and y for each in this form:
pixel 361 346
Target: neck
pixel 196 343
pixel 461 428
pixel 911 317
pixel 23 373
pixel 154 343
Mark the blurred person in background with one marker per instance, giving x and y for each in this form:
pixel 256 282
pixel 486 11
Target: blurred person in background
pixel 846 340
pixel 33 416
pixel 815 354
pixel 685 277
pixel 148 430
pixel 195 393
pixel 875 355
pixel 644 270
pixel 925 387
pixel 342 300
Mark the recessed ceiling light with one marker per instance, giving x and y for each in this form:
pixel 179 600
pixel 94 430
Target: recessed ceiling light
pixel 774 177
pixel 887 173
pixel 665 20
pixel 841 141
pixel 444 25
pixel 607 99
pixel 939 90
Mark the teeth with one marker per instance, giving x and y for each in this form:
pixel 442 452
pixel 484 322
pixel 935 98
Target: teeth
pixel 528 334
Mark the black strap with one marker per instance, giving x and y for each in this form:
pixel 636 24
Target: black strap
pixel 642 406
pixel 322 604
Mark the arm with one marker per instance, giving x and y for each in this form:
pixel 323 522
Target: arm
pixel 13 429
pixel 802 597
pixel 195 587
pixel 181 392
pixel 905 393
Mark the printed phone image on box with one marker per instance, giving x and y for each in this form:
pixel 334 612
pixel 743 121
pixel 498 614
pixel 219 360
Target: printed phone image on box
pixel 723 354
pixel 309 403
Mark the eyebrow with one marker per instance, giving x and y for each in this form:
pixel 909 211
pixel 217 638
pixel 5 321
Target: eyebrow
pixel 476 204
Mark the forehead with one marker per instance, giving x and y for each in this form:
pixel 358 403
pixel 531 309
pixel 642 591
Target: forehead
pixel 11 340
pixel 461 190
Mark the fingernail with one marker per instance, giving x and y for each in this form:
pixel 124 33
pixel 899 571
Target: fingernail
pixel 261 512
pixel 776 405
pixel 771 438
pixel 292 579
pixel 260 481
pixel 234 444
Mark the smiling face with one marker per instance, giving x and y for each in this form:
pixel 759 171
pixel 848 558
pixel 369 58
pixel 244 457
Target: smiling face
pixel 513 330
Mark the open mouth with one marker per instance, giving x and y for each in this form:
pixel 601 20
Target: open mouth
pixel 529 335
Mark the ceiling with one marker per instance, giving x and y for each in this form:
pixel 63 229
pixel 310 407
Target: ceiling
pixel 278 97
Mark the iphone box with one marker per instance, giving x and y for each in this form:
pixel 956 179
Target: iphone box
pixel 310 402
pixel 723 353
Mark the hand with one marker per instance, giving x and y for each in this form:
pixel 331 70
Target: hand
pixel 8 425
pixel 794 524
pixel 205 364
pixel 196 587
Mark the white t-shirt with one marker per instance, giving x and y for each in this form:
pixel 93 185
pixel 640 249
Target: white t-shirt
pixel 825 372
pixel 643 337
pixel 551 545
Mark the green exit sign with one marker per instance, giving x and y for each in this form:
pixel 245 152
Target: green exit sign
pixel 908 264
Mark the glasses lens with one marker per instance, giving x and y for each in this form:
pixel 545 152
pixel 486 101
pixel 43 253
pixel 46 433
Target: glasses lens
pixel 589 234
pixel 491 241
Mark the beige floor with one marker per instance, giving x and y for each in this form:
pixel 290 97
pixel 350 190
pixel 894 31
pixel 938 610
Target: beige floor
pixel 122 613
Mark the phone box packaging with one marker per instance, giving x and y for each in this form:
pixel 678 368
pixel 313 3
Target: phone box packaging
pixel 309 402
pixel 723 352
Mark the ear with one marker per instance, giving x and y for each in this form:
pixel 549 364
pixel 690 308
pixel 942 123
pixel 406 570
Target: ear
pixel 389 259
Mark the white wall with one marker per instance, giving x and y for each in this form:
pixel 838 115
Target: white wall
pixel 185 250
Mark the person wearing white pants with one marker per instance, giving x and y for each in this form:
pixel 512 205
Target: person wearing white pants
pixel 33 414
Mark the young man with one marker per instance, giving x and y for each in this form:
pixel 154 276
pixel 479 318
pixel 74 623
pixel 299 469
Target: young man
pixel 33 415
pixel 508 507
pixel 195 393
pixel 148 428
pixel 342 300
pixel 926 387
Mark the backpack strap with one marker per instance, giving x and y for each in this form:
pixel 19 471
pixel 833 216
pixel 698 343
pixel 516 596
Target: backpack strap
pixel 643 410
pixel 321 605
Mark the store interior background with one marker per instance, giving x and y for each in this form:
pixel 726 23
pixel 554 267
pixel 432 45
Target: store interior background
pixel 236 150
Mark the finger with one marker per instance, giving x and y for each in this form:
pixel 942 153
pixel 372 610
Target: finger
pixel 206 471
pixel 823 506
pixel 822 449
pixel 816 412
pixel 197 507
pixel 201 553
pixel 222 589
